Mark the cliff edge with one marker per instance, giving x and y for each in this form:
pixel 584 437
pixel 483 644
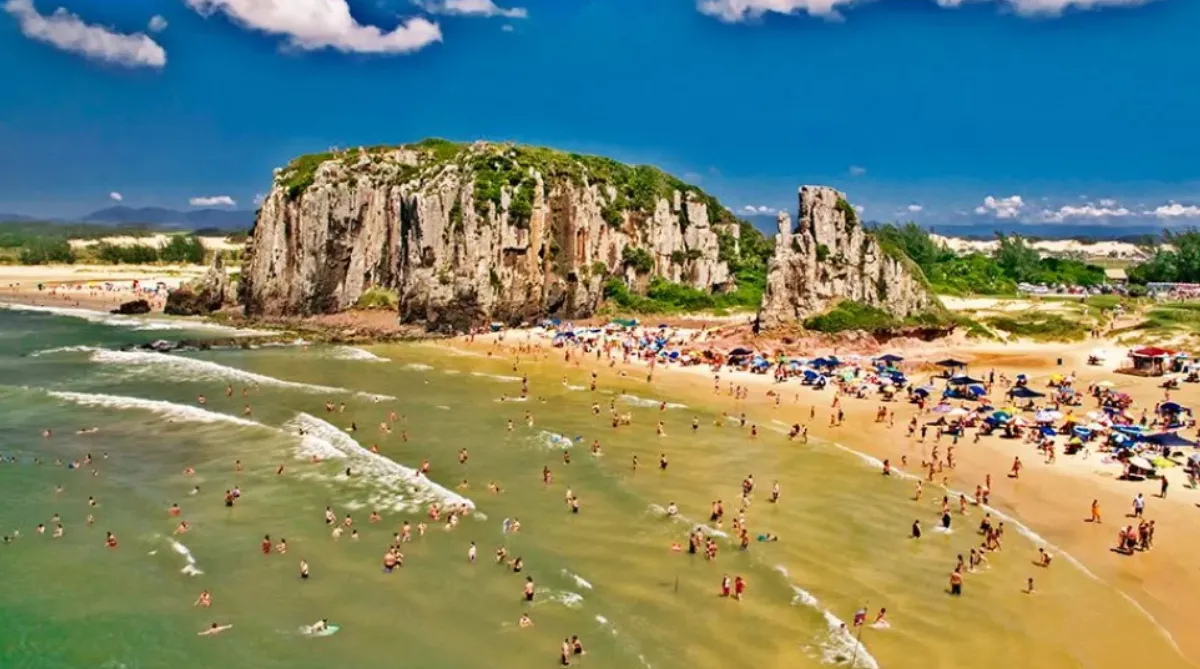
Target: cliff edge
pixel 828 257
pixel 464 234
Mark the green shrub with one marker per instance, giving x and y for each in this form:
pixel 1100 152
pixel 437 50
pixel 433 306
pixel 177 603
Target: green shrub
pixel 183 249
pixel 46 251
pixel 378 298
pixel 134 254
pixel 1040 326
pixel 638 258
pixel 849 315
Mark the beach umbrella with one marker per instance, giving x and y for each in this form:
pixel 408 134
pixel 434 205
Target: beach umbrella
pixel 1047 416
pixel 890 358
pixel 950 363
pixel 963 380
pixel 1194 459
pixel 943 408
pixel 1106 384
pixel 1141 463
pixel 957 411
pixel 1170 407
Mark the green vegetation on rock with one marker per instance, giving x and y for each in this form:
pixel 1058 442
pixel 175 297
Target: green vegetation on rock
pixel 377 298
pixel 980 274
pixel 1040 326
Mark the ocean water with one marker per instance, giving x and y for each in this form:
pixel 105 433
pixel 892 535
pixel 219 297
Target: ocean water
pixel 607 574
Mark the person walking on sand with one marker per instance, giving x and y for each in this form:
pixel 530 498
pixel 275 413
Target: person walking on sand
pixel 1139 505
pixel 1162 491
pixel 1016 468
pixel 1096 511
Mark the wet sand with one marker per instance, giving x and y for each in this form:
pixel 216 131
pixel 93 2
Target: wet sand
pixel 1052 499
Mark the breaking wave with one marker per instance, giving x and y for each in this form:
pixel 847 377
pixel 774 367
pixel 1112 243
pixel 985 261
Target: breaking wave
pixel 193 369
pixel 838 644
pixel 171 410
pixel 133 322
pixel 400 488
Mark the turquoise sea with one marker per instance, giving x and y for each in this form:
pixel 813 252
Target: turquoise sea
pixel 607 573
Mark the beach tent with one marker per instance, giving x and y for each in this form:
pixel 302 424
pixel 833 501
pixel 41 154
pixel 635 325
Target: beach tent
pixel 963 380
pixel 1171 440
pixel 1025 392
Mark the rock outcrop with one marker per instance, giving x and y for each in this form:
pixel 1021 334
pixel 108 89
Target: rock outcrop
pixel 828 257
pixel 203 297
pixel 132 308
pixel 465 234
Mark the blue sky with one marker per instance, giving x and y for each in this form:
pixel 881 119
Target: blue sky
pixel 942 111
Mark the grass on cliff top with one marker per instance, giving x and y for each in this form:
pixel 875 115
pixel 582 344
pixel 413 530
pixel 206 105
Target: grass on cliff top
pixel 666 297
pixel 638 187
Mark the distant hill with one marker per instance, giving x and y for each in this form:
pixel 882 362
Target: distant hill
pixel 223 219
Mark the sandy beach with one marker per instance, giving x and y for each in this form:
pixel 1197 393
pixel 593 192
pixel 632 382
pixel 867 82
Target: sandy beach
pixel 98 287
pixel 1052 499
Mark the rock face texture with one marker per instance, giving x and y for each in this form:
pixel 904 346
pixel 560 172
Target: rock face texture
pixel 827 258
pixel 466 234
pixel 203 297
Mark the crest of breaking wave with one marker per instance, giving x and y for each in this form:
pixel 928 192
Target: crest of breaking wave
pixel 837 645
pixel 399 487
pixel 355 353
pixel 178 412
pixel 204 370
pixel 132 322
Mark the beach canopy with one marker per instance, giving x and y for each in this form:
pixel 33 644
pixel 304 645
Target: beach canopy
pixel 963 380
pixel 740 351
pixel 1171 439
pixel 890 358
pixel 1151 352
pixel 951 363
pixel 1025 392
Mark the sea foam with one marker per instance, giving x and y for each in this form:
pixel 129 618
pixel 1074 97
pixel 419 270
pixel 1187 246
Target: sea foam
pixel 204 370
pixel 133 322
pixel 838 644
pixel 171 410
pixel 402 488
pixel 354 353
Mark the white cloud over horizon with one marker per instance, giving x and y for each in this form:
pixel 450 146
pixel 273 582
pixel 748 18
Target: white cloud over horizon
pixel 68 32
pixel 760 210
pixel 1107 209
pixel 484 8
pixel 738 11
pixel 115 196
pixel 312 25
pixel 1005 207
pixel 915 208
pixel 857 170
pixel 1176 210
pixel 213 201
pixel 157 24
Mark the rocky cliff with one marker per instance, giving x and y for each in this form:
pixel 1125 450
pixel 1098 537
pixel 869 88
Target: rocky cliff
pixel 828 257
pixel 464 234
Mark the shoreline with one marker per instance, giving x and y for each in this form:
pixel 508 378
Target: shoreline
pixel 1050 500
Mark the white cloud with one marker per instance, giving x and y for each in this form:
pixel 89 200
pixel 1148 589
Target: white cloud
pixel 915 208
pixel 471 8
pixel 857 171
pixel 759 210
pixel 115 196
pixel 1086 211
pixel 1176 210
pixel 737 11
pixel 1051 7
pixel 1108 203
pixel 322 24
pixel 859 208
pixel 157 24
pixel 1005 207
pixel 213 201
pixel 68 32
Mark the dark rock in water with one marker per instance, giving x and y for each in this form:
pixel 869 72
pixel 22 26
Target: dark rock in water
pixel 134 308
pixel 162 346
